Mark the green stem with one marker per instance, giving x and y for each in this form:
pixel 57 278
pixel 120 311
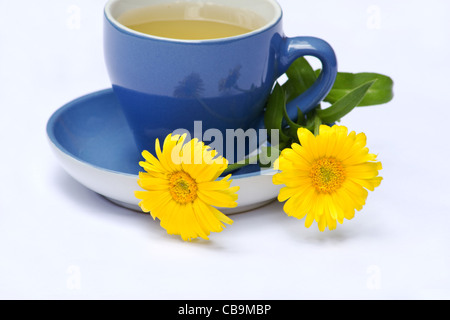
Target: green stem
pixel 257 159
pixel 235 166
pixel 317 124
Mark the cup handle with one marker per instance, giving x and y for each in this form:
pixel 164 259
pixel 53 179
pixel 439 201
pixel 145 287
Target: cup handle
pixel 293 48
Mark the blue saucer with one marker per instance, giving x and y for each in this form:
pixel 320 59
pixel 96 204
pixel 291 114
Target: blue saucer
pixel 94 144
pixel 93 129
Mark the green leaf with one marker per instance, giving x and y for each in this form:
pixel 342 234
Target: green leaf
pixel 381 92
pixel 302 71
pixel 292 126
pixel 346 104
pixel 293 88
pixel 274 114
pixel 301 120
pixel 301 76
pixel 311 119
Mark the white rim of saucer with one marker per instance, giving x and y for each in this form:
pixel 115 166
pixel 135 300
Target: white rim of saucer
pixel 55 143
pixel 277 16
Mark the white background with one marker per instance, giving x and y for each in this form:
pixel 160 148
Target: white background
pixel 59 240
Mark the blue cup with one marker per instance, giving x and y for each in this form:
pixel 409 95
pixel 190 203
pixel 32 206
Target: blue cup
pixel 167 84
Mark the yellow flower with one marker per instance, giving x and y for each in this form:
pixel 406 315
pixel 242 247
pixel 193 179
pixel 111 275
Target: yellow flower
pixel 182 189
pixel 326 177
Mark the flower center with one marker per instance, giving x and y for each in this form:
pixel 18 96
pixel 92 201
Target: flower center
pixel 182 187
pixel 327 175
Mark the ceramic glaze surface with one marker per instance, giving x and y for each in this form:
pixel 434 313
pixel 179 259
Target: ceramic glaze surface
pixel 94 144
pixel 165 84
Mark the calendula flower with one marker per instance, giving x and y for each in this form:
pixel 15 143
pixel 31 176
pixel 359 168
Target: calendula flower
pixel 326 178
pixel 182 189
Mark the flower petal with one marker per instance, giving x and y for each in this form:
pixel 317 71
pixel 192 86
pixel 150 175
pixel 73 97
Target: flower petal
pixel 308 166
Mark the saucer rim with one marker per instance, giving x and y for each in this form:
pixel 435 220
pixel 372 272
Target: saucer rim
pixel 52 138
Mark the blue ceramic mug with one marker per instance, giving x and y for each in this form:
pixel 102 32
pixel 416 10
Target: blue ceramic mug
pixel 166 84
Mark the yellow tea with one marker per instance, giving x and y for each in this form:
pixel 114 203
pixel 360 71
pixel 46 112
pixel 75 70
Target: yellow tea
pixel 191 21
pixel 189 29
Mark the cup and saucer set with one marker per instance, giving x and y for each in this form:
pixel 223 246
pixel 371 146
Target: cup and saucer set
pixel 164 82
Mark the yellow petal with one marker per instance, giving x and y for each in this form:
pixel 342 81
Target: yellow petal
pixel 357 193
pixel 323 142
pixel 306 157
pixel 208 217
pixel 325 130
pixel 348 204
pixel 204 217
pixel 218 199
pixel 309 220
pixel 346 146
pixel 286 193
pixel 330 206
pixel 151 164
pixel 151 183
pixel 298 206
pixel 340 206
pixel 369 184
pixel 322 223
pixel 152 201
pixel 308 141
pixel 290 179
pixel 195 227
pixel 220 216
pixel 366 170
pixel 214 185
pixel 331 222
pixel 341 137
